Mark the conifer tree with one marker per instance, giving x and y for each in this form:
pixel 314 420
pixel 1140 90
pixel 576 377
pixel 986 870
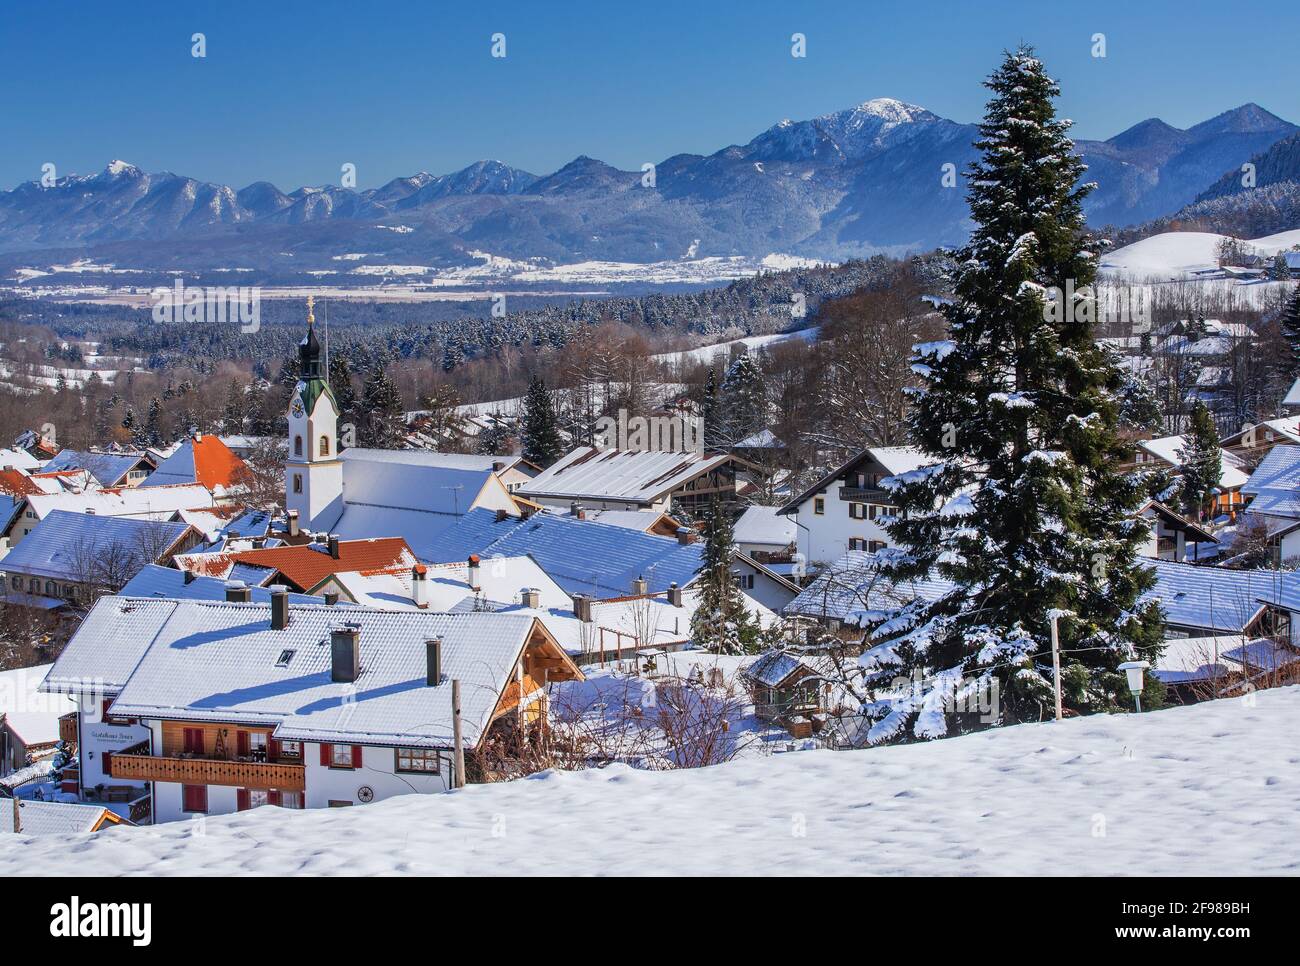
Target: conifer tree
pixel 540 437
pixel 383 409
pixel 744 399
pixel 232 414
pixel 721 622
pixel 709 411
pixel 340 380
pixel 1024 510
pixel 1202 461
pixel 1290 324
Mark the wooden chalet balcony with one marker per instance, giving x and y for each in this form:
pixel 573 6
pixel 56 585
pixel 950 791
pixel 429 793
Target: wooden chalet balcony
pixel 209 771
pixel 68 727
pixel 866 494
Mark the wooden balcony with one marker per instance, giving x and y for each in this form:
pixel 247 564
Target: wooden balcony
pixel 866 494
pixel 209 771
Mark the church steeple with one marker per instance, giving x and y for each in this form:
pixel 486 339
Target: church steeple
pixel 313 473
pixel 309 354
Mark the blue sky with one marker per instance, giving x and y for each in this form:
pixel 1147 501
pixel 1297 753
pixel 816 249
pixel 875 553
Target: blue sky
pixel 290 91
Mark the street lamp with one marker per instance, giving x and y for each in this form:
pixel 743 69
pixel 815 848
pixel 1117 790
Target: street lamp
pixel 1134 669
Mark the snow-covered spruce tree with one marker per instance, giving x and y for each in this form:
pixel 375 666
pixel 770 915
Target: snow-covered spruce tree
pixel 1025 510
pixel 744 399
pixel 721 622
pixel 540 434
pixel 1290 325
pixel 709 411
pixel 382 403
pixel 1202 461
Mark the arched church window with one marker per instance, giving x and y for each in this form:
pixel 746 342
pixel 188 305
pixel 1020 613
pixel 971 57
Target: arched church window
pixel 297 482
pixel 297 446
pixel 324 446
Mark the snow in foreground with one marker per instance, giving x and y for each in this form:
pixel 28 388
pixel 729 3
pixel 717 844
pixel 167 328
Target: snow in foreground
pixel 1209 790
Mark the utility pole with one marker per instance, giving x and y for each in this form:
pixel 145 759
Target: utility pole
pixel 1056 666
pixel 459 767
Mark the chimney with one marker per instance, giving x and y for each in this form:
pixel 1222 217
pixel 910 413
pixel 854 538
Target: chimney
pixel 189 577
pixel 420 586
pixel 498 466
pixel 502 514
pixel 345 654
pixel 639 587
pixel 259 543
pixel 334 545
pixel 331 598
pixel 472 566
pixel 293 523
pixel 532 598
pixel 582 607
pixel 279 607
pixel 674 594
pixel 433 662
pixel 237 592
pixel 575 508
pixel 684 536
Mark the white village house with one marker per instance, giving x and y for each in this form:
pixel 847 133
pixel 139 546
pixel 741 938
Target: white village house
pixel 218 706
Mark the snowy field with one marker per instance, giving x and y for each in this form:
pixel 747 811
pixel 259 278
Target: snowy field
pixel 1204 790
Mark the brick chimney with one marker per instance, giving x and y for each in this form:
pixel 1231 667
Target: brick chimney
pixel 582 607
pixel 472 569
pixel 685 536
pixel 334 545
pixel 674 594
pixel 293 523
pixel 532 598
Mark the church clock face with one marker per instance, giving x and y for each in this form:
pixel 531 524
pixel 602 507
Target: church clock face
pixel 297 407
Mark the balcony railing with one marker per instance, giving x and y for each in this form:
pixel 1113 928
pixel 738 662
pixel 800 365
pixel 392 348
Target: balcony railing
pixel 68 727
pixel 209 771
pixel 866 494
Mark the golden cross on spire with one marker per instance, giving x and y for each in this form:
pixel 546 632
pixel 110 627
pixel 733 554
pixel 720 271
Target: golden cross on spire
pixel 311 314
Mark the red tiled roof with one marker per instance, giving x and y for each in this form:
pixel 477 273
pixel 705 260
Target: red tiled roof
pixel 214 463
pixel 307 565
pixel 15 483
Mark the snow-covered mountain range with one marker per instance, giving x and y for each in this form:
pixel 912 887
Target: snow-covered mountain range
pixel 850 183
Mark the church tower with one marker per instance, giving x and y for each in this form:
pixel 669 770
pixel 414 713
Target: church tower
pixel 313 474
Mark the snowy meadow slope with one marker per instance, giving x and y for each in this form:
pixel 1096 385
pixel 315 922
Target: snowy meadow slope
pixel 1206 790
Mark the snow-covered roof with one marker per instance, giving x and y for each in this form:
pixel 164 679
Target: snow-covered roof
pixel 1293 394
pixel 643 476
pixel 214 661
pixel 156 581
pixel 220 523
pixel 773 667
pixel 1213 598
pixel 763 439
pixel 58 818
pixel 582 556
pixel 1169 449
pixel 1275 484
pixel 64 544
pixel 892 459
pixel 641 520
pixel 19 459
pixel 27 711
pixel 501 581
pixel 762 525
pixel 108 469
pixel 1261 654
pixel 306 565
pixel 152 503
pixel 1188 660
pixel 852 589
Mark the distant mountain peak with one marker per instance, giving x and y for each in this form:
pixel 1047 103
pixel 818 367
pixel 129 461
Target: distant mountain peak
pixel 117 169
pixel 1248 118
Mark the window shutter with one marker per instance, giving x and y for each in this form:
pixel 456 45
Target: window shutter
pixel 325 751
pixel 106 762
pixel 241 797
pixel 241 742
pixel 272 749
pixel 356 756
pixel 273 798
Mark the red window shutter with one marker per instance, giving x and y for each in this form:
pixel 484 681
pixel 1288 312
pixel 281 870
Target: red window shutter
pixel 241 742
pixel 325 752
pixel 272 749
pixel 203 798
pixel 242 799
pixel 194 740
pixel 273 798
pixel 103 712
pixel 356 756
pixel 106 762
